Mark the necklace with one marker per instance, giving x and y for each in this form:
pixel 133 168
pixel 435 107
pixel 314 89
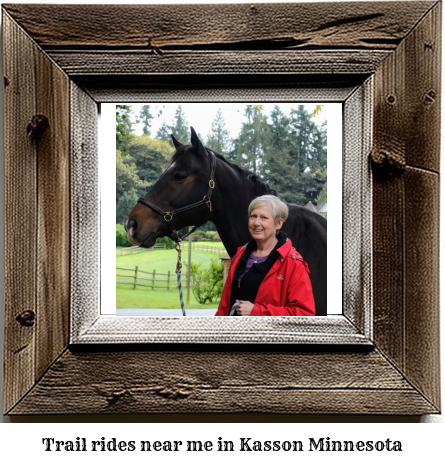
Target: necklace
pixel 256 259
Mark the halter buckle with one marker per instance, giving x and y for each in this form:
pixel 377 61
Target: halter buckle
pixel 212 184
pixel 208 202
pixel 168 216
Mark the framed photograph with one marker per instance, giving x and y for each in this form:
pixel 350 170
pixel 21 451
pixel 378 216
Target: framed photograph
pixel 377 349
pixel 279 148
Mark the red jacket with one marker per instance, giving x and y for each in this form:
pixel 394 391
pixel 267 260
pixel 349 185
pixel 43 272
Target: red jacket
pixel 285 291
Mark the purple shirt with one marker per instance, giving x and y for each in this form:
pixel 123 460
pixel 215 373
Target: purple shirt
pixel 250 261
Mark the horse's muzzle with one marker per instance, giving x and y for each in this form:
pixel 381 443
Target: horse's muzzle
pixel 130 226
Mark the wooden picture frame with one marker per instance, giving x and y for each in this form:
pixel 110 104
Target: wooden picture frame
pixel 381 357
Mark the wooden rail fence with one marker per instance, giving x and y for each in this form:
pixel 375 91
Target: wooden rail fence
pixel 135 279
pixel 135 250
pixel 205 248
pixel 184 245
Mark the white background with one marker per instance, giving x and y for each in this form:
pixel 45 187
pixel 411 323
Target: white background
pixel 21 442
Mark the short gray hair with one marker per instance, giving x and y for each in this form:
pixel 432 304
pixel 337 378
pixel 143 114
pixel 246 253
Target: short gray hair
pixel 279 209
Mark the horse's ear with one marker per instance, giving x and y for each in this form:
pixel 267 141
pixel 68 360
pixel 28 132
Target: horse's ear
pixel 196 143
pixel 176 142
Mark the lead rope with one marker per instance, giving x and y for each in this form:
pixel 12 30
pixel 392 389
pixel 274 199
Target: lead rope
pixel 178 275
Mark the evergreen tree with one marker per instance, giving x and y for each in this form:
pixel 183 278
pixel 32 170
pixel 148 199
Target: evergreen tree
pixel 302 130
pixel 124 127
pixel 250 145
pixel 279 170
pixel 219 137
pixel 319 148
pixel 145 117
pixel 180 128
pixel 295 164
pixel 320 162
pixel 164 133
pixel 279 129
pixel 308 153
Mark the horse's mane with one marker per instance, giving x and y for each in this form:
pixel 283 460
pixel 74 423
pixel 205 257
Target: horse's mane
pixel 250 176
pixel 262 186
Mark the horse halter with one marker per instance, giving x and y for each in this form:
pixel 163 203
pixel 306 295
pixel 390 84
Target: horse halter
pixel 168 215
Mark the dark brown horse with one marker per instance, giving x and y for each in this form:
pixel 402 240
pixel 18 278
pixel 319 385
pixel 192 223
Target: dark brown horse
pixel 188 194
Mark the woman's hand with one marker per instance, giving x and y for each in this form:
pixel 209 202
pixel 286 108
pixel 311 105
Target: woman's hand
pixel 245 308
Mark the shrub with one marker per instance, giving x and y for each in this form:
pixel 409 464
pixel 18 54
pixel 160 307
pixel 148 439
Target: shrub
pixel 121 236
pixel 216 238
pixel 209 235
pixel 169 244
pixel 196 237
pixel 207 283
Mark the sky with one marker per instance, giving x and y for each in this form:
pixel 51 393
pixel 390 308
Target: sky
pixel 201 115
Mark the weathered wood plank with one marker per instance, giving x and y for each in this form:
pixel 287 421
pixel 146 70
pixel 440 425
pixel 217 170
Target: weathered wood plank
pixel 223 382
pixel 364 25
pixel 407 132
pixel 388 155
pixel 388 268
pixel 121 63
pixel 423 92
pixel 53 228
pixel 408 100
pixel 422 323
pixel 249 400
pixel 20 213
pixel 219 87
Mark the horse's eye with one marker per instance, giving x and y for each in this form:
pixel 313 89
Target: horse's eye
pixel 179 177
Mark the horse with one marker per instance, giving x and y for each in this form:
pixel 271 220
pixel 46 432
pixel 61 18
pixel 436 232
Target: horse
pixel 201 185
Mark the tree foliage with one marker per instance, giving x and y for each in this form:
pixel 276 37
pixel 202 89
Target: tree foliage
pixel 137 171
pixel 296 157
pixel 121 236
pixel 323 195
pixel 129 187
pixel 145 118
pixel 179 128
pixel 288 151
pixel 250 145
pixel 219 137
pixel 124 127
pixel 164 133
pixel 151 157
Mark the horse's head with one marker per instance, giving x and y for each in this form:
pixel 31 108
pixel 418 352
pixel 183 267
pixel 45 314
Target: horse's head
pixel 185 182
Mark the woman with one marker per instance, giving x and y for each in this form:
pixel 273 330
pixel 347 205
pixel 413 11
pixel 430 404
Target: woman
pixel 267 276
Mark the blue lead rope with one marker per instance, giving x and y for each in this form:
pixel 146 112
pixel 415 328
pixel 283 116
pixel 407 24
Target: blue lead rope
pixel 178 275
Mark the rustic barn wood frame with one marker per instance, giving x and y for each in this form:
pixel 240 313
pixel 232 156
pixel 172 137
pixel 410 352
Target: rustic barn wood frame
pixel 381 360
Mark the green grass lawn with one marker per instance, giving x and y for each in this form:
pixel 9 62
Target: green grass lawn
pixel 162 261
pixel 126 297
